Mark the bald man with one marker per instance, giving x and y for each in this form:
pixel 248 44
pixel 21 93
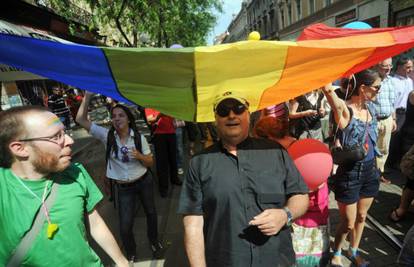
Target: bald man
pixel 44 198
pixel 385 111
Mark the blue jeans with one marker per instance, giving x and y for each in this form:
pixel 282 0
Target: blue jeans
pixel 180 149
pixel 127 199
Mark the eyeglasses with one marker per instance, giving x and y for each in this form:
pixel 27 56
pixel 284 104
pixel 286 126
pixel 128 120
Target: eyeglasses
pixel 224 111
pixel 58 138
pixel 124 151
pixel 376 88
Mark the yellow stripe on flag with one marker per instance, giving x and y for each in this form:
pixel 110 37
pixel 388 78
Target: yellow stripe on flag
pixel 248 67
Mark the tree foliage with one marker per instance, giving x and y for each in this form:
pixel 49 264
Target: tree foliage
pixel 163 22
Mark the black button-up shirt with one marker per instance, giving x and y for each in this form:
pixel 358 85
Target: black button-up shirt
pixel 229 191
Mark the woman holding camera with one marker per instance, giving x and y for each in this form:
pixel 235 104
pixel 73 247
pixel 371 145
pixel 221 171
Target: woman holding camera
pixel 356 181
pixel 305 115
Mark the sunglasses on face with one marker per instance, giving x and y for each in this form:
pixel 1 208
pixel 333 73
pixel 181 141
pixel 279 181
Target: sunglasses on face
pixel 224 110
pixel 376 88
pixel 124 151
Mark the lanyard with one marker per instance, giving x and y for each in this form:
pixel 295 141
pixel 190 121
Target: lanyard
pixel 51 227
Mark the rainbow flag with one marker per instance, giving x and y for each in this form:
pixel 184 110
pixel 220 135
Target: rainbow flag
pixel 184 83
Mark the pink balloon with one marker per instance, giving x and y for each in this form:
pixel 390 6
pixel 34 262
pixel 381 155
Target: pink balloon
pixel 313 160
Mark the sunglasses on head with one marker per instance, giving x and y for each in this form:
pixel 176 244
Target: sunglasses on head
pixel 224 110
pixel 124 151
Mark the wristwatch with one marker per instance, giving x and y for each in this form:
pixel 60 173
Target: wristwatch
pixel 289 216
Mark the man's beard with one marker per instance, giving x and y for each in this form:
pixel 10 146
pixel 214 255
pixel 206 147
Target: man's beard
pixel 46 163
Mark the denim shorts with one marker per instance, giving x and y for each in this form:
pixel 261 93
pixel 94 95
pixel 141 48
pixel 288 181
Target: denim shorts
pixel 356 181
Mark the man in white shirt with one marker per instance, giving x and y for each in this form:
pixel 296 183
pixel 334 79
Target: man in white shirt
pixel 403 85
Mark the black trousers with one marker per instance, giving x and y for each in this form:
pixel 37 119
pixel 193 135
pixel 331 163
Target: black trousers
pixel 395 153
pixel 165 146
pixel 128 200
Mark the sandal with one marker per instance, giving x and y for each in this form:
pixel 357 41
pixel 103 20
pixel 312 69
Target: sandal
pixel 395 217
pixel 357 260
pixel 336 254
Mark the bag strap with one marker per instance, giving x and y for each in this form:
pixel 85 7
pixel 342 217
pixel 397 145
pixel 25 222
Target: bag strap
pixel 28 239
pixel 365 130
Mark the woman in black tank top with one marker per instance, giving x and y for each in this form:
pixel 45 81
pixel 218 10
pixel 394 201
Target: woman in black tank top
pixel 407 130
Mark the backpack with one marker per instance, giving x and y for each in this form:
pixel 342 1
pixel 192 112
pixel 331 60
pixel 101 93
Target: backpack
pixel 407 164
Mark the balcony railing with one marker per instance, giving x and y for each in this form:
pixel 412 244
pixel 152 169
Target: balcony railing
pixel 73 12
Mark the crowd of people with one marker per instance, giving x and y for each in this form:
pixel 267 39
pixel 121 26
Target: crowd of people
pixel 243 201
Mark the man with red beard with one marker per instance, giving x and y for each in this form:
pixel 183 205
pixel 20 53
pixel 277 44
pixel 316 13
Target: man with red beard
pixel 44 198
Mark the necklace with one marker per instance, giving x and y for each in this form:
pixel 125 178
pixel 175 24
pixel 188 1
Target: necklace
pixel 51 227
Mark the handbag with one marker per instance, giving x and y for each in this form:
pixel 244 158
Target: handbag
pixel 343 155
pixel 348 154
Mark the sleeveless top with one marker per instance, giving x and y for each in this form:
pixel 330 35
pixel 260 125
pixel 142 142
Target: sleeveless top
pixel 354 132
pixel 407 130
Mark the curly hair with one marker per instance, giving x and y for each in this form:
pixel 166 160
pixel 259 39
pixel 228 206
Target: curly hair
pixel 111 144
pixel 12 127
pixel 271 127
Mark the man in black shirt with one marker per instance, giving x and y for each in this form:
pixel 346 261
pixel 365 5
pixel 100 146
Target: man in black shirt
pixel 240 196
pixel 57 104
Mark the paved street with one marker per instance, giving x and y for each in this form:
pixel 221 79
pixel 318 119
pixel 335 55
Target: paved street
pixel 90 152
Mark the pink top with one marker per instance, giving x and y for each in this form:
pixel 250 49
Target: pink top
pixel 318 211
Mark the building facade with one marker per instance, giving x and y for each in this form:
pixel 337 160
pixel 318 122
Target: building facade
pixel 262 16
pixel 295 15
pixel 237 29
pixel 285 19
pixel 402 12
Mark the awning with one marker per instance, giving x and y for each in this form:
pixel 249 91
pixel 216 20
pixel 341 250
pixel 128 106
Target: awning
pixel 8 73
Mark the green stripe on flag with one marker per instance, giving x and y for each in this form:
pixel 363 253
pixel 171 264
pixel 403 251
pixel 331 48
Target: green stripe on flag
pixel 156 78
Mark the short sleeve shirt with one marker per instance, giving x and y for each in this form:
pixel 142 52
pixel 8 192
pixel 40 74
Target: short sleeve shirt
pixel 77 194
pixel 229 191
pixel 116 169
pixel 384 104
pixel 403 86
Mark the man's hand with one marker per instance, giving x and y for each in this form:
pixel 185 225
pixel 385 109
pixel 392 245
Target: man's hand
pixel 270 221
pixel 394 125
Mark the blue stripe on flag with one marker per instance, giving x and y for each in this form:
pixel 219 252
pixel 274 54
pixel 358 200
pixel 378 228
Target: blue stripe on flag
pixel 81 66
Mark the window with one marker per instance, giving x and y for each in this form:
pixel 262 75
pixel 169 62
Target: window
pixel 311 7
pixel 298 9
pixel 282 18
pixel 328 2
pixel 289 8
pixel 271 20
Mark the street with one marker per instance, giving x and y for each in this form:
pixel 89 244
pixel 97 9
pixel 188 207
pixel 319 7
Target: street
pixel 90 152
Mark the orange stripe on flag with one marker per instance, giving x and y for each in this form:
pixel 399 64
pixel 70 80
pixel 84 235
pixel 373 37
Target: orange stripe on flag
pixel 309 68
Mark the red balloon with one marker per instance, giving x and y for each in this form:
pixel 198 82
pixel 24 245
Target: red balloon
pixel 313 160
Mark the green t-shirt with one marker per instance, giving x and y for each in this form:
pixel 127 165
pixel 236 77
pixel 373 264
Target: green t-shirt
pixel 76 195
